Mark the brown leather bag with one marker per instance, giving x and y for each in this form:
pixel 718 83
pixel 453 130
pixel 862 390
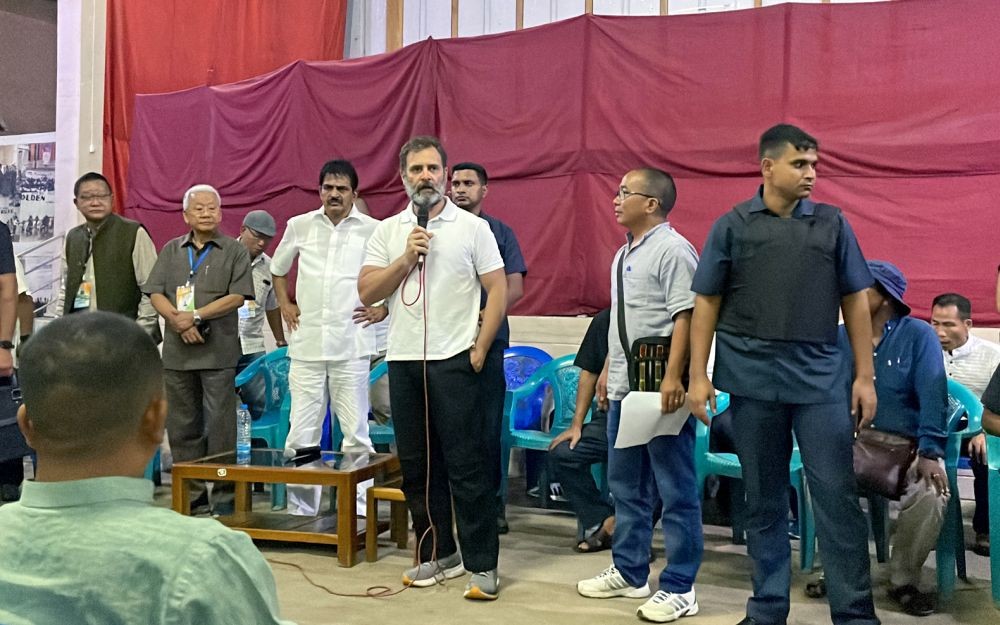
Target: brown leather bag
pixel 881 460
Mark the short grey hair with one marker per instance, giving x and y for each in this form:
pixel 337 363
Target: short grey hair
pixel 201 188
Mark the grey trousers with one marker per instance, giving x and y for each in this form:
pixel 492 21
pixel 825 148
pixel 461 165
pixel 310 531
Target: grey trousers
pixel 921 515
pixel 201 421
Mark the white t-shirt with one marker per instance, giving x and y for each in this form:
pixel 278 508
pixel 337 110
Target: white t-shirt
pixel 327 284
pixel 462 249
pixel 973 364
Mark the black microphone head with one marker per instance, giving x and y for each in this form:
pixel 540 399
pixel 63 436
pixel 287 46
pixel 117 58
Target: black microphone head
pixel 422 216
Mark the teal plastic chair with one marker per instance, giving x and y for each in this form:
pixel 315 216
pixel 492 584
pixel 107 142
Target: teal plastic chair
pixel 728 465
pixel 272 426
pixel 562 376
pixel 153 469
pixel 950 552
pixel 381 434
pixel 993 461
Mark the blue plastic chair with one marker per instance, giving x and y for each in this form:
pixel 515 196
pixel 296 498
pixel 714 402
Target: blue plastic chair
pixel 562 376
pixel 993 462
pixel 519 363
pixel 272 426
pixel 728 465
pixel 380 434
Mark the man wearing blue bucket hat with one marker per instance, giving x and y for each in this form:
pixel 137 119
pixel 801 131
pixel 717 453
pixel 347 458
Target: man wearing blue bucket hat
pixel 912 401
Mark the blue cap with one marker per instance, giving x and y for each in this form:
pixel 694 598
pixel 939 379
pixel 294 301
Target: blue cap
pixel 891 279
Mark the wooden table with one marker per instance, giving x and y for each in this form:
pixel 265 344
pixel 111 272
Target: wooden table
pixel 343 471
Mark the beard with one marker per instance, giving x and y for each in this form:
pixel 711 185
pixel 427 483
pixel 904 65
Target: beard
pixel 422 200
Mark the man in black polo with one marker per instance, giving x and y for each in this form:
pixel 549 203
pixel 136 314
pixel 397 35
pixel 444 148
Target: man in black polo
pixel 106 259
pixel 469 186
pixel 198 283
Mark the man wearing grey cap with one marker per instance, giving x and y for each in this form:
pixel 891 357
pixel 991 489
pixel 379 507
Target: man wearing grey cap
pixel 256 233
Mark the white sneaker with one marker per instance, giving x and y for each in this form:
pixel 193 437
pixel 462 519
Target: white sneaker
pixel 610 583
pixel 664 607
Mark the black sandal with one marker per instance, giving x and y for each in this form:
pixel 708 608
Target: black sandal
pixel 816 589
pixel 913 602
pixel 598 541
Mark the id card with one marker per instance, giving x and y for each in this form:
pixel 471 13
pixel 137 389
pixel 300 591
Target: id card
pixel 185 298
pixel 82 299
pixel 248 310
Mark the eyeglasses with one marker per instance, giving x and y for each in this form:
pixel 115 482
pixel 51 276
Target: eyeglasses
pixel 87 198
pixel 624 193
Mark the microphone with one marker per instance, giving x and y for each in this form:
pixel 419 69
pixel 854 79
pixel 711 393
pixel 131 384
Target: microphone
pixel 422 222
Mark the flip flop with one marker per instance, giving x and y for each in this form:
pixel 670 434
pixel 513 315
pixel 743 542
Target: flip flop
pixel 598 541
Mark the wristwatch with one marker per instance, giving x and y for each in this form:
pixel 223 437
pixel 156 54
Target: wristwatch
pixel 6 345
pixel 197 317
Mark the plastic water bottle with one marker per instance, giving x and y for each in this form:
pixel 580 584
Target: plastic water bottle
pixel 243 425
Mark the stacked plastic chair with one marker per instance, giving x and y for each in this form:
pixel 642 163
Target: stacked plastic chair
pixel 728 465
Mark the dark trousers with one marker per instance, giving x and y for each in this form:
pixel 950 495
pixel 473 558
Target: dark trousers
pixel 12 471
pixel 492 387
pixel 452 438
pixel 980 485
pixel 762 432
pixel 245 361
pixel 201 421
pixel 571 468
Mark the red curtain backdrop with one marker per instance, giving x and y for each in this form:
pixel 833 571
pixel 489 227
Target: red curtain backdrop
pixel 155 47
pixel 900 96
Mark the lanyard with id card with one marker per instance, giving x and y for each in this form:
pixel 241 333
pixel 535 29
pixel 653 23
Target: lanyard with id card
pixel 185 292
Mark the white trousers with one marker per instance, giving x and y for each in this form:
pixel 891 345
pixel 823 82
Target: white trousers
pixel 343 385
pixel 921 515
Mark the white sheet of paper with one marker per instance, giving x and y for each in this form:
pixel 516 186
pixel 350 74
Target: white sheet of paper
pixel 641 420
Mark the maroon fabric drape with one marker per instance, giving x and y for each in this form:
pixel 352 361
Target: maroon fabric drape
pixel 897 93
pixel 161 46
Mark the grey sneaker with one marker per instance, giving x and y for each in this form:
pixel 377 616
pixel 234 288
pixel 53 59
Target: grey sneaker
pixel 435 571
pixel 664 607
pixel 483 586
pixel 610 583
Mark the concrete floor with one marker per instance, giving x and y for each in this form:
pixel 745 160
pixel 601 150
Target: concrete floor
pixel 538 576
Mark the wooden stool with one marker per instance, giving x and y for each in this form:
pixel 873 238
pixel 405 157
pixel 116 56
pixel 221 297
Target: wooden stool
pixel 398 520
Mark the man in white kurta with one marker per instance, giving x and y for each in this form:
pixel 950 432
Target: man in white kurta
pixel 330 342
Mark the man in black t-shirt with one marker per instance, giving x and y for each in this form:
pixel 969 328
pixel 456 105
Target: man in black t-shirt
pixel 572 452
pixel 991 405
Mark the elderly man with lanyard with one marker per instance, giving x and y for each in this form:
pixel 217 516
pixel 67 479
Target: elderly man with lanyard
pixel 196 285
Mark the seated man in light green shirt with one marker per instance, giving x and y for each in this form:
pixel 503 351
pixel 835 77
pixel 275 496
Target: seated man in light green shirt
pixel 86 544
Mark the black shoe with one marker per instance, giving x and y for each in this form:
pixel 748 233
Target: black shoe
pixel 199 506
pixel 749 621
pixel 9 492
pixel 502 526
pixel 912 601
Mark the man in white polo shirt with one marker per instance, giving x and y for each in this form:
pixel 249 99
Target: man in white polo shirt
pixel 431 277
pixel 330 342
pixel 971 361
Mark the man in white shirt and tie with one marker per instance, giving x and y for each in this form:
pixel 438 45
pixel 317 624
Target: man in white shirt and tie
pixel 330 342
